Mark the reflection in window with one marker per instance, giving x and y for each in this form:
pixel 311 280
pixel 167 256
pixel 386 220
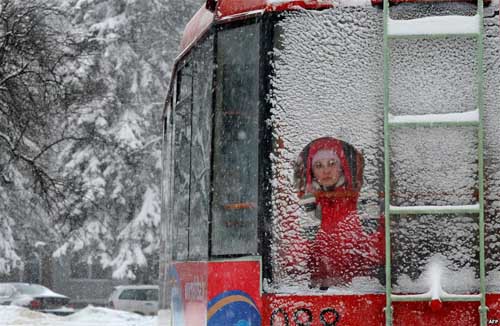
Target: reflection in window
pixel 201 151
pixel 182 163
pixel 192 153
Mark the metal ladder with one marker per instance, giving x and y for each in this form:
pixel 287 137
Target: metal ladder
pixel 434 28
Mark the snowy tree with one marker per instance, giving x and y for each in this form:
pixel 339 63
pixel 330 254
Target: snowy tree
pixel 36 91
pixel 80 135
pixel 113 213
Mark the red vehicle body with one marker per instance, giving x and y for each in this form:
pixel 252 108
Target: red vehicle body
pixel 228 288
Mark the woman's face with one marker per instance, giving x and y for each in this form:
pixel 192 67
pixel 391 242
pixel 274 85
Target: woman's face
pixel 327 171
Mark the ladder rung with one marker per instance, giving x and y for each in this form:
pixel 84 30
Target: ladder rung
pixel 414 210
pixel 435 26
pixel 428 297
pixel 470 118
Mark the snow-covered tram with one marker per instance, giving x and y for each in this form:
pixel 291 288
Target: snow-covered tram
pixel 333 162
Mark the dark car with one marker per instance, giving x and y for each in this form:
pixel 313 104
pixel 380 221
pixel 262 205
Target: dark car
pixel 35 297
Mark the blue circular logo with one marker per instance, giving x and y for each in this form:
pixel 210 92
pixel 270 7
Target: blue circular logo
pixel 233 308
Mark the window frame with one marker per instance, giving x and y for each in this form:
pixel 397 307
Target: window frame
pixel 183 101
pixel 188 58
pixel 266 23
pixel 224 26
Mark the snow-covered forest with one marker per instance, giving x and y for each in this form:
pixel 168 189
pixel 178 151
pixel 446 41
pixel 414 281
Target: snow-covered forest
pixel 82 89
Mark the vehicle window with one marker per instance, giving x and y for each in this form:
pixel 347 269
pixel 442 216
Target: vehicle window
pixel 201 151
pixel 192 152
pixel 152 295
pixel 128 295
pixel 327 226
pixel 140 295
pixel 182 163
pixel 234 227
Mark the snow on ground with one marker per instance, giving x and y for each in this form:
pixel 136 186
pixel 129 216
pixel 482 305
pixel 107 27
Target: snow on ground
pixel 90 316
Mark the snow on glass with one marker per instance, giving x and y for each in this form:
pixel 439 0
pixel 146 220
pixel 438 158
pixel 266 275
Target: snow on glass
pixel 328 82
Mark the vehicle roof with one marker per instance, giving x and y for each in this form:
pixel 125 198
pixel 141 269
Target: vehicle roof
pixel 233 9
pixel 230 9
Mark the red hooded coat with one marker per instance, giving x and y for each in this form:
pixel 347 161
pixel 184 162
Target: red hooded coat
pixel 341 249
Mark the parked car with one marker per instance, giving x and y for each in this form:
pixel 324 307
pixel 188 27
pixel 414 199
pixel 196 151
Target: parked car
pixel 141 299
pixel 35 297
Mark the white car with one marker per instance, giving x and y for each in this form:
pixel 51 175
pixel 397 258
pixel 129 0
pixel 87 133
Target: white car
pixel 141 299
pixel 35 297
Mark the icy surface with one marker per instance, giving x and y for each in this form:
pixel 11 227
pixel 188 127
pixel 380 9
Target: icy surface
pixel 328 81
pixel 311 101
pixel 438 168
